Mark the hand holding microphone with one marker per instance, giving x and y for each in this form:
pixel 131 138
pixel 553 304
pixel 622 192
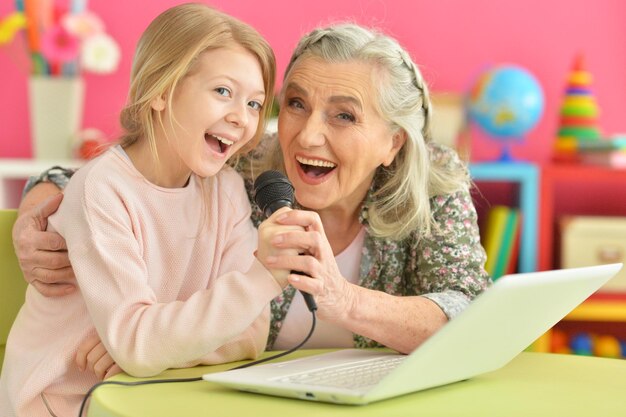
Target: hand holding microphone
pixel 273 191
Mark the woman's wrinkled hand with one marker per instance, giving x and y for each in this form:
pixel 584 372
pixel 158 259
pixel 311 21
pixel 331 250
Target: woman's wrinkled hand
pixel 42 255
pixel 321 277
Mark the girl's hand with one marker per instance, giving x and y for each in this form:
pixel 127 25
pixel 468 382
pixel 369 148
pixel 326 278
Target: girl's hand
pixel 333 294
pixel 93 356
pixel 269 231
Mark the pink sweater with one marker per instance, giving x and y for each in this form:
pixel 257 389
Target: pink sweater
pixel 167 278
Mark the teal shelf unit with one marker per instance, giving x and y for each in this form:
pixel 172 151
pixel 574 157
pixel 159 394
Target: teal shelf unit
pixel 527 176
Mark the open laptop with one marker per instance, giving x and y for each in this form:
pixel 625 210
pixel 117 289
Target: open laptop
pixel 493 329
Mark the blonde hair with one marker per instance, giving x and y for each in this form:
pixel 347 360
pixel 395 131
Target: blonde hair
pixel 167 52
pixel 401 200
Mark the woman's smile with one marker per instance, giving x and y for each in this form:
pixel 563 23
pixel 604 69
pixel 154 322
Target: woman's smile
pixel 315 169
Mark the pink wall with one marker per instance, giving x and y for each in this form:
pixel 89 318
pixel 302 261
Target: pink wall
pixel 450 39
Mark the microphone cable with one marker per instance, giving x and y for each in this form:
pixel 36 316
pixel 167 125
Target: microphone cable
pixel 165 381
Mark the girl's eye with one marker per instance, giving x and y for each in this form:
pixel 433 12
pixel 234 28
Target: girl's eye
pixel 255 105
pixel 223 91
pixel 346 116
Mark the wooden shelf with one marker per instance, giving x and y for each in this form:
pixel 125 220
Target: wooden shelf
pixel 527 176
pixel 568 177
pixel 601 313
pixel 599 310
pixel 13 172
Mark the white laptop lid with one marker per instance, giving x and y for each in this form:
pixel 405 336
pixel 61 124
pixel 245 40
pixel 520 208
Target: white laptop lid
pixel 495 327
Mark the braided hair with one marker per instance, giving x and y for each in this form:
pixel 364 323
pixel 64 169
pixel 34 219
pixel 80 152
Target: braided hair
pixel 401 201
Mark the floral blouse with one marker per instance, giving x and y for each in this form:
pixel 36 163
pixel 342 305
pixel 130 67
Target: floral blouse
pixel 446 267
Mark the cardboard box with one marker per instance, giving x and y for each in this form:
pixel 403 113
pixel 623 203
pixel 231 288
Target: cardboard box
pixel 592 240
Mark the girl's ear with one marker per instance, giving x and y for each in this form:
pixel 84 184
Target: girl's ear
pixel 398 141
pixel 158 103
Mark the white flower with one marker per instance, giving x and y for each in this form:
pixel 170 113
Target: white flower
pixel 100 54
pixel 82 25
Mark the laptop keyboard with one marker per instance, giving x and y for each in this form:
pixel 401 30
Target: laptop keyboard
pixel 352 375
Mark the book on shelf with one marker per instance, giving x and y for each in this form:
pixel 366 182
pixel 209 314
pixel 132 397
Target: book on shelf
pixel 616 143
pixel 609 158
pixel 512 264
pixel 501 240
pixel 492 235
pixel 610 152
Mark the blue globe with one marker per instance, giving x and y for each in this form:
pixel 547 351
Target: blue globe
pixel 506 102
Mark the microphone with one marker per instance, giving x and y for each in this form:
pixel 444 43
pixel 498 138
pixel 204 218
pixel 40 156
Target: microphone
pixel 272 190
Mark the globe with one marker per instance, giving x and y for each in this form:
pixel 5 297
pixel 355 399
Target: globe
pixel 506 102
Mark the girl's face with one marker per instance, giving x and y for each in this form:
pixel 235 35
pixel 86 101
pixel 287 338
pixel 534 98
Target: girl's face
pixel 332 135
pixel 216 110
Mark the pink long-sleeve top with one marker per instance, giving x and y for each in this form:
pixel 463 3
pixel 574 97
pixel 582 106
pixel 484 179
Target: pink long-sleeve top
pixel 167 278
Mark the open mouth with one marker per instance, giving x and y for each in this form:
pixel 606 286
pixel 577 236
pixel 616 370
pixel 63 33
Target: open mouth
pixel 315 168
pixel 218 143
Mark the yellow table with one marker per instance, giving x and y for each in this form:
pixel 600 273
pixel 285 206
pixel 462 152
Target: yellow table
pixel 533 384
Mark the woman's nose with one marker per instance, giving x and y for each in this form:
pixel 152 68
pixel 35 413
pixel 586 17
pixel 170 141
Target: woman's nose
pixel 313 132
pixel 238 114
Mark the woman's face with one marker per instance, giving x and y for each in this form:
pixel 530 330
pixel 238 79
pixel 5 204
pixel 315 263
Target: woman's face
pixel 332 135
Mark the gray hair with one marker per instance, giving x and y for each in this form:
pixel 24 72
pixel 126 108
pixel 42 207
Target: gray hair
pixel 401 201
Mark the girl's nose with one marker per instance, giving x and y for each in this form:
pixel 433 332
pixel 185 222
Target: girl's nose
pixel 238 114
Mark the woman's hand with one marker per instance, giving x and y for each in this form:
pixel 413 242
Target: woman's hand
pixel 399 322
pixel 333 294
pixel 92 356
pixel 43 255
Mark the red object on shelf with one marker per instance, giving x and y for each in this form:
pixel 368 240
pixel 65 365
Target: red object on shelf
pixel 608 296
pixel 90 149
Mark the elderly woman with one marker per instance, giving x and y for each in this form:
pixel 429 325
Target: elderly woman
pixel 390 242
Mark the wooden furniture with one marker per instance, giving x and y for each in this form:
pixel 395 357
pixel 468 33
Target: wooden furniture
pixel 582 181
pixel 532 384
pixel 14 173
pixel 527 176
pixel 12 284
pixel 576 189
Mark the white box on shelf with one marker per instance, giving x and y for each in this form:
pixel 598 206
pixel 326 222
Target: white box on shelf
pixel 594 240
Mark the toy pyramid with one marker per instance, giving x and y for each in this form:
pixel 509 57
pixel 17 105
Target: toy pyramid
pixel 579 113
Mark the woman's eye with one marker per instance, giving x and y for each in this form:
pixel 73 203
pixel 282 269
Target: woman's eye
pixel 223 91
pixel 255 105
pixel 294 103
pixel 346 116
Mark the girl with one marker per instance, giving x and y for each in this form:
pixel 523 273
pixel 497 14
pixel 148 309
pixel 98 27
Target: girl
pixel 158 233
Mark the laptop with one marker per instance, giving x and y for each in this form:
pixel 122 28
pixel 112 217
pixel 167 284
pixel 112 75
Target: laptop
pixel 492 330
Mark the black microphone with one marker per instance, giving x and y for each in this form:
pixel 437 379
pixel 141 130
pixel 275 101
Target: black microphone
pixel 272 190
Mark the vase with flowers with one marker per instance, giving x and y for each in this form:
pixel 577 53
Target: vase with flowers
pixel 63 40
